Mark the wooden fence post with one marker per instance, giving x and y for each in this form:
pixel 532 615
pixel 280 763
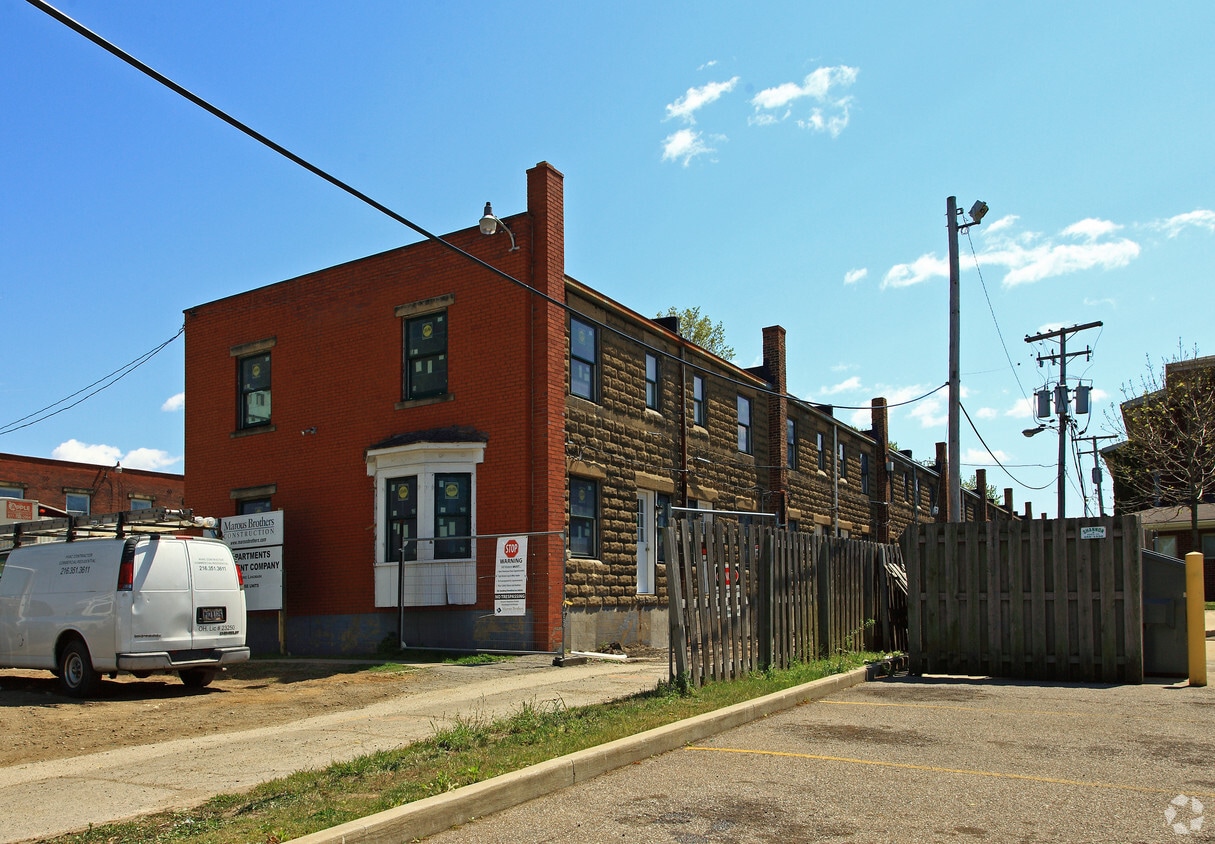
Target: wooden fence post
pixel 822 565
pixel 675 603
pixel 765 598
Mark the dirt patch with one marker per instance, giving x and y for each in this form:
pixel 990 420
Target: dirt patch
pixel 40 724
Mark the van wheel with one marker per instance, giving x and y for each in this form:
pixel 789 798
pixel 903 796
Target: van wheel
pixel 77 677
pixel 196 678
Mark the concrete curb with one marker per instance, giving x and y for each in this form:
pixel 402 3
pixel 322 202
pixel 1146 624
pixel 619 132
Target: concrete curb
pixel 443 811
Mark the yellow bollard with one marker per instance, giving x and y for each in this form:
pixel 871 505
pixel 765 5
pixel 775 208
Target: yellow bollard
pixel 1195 614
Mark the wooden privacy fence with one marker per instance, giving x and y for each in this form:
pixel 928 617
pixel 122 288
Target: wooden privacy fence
pixel 744 598
pixel 1047 600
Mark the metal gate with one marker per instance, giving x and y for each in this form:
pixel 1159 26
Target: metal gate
pixel 1165 646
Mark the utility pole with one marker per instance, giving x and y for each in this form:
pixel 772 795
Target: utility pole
pixel 1096 472
pixel 955 367
pixel 1061 401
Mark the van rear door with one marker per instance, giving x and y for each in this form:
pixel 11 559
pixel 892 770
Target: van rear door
pixel 219 601
pixel 161 610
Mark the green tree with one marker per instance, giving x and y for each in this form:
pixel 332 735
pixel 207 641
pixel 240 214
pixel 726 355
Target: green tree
pixel 701 330
pixel 972 484
pixel 1167 456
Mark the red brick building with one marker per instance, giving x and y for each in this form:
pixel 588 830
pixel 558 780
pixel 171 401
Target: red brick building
pixel 424 405
pixel 87 488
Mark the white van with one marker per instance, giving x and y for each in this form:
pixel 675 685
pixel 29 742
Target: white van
pixel 142 604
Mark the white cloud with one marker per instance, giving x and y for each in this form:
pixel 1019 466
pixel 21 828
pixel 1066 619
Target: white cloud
pixel 921 269
pixel 1090 228
pixel 980 457
pixel 1030 257
pixel 832 124
pixel 1000 224
pixel 781 95
pixel 845 386
pixel 1030 265
pixel 108 455
pixel 685 107
pixel 152 459
pixel 1092 303
pixel 1201 219
pixel 831 114
pixel 987 413
pixel 929 414
pixel 861 419
pixel 78 452
pixel 683 146
pixel 898 395
pixel 763 119
pixel 174 403
pixel 1021 409
pixel 853 276
pixel 708 64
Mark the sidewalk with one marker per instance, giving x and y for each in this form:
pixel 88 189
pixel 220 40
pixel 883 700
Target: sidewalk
pixel 52 798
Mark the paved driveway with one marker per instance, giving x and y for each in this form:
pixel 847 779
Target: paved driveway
pixel 913 759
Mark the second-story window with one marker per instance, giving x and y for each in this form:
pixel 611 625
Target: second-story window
pixel 651 382
pixel 864 473
pixel 255 390
pixel 744 424
pixel 791 444
pixel 821 445
pixel 426 356
pixel 699 407
pixel 584 359
pixel 841 461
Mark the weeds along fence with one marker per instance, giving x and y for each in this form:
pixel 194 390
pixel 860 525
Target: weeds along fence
pixel 1042 599
pixel 744 598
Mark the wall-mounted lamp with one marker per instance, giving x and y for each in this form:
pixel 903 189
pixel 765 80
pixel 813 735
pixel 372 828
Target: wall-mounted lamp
pixel 489 225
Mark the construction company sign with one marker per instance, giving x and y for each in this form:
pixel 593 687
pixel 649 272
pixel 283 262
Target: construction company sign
pixel 256 540
pixel 510 576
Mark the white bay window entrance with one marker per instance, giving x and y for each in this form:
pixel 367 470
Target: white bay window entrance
pixel 425 511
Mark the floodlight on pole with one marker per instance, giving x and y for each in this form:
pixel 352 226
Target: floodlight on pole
pixel 977 212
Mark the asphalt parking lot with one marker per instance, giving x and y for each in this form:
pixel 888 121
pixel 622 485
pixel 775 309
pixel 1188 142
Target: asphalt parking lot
pixel 912 759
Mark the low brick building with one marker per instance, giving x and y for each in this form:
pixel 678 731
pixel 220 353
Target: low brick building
pixel 87 488
pixel 432 398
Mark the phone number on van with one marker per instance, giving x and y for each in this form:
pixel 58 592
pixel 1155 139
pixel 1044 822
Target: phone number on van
pixel 73 570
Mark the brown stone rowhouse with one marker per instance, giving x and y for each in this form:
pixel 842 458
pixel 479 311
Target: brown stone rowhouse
pixel 418 395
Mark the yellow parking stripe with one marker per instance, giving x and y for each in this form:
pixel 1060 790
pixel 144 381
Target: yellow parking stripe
pixel 938 770
pixel 962 708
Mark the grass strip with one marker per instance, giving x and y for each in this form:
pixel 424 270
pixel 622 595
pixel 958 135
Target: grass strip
pixel 474 749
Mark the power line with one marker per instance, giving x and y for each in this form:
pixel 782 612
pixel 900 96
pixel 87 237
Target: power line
pixel 244 128
pixel 109 380
pixel 993 455
pixel 996 322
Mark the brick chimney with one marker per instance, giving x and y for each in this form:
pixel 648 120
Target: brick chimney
pixel 879 495
pixel 546 206
pixel 778 420
pixel 941 502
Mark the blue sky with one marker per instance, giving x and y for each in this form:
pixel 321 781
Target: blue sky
pixel 772 163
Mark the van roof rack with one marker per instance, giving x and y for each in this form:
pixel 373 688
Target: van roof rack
pixel 152 520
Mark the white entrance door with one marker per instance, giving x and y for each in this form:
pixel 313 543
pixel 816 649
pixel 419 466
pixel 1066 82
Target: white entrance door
pixel 647 547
